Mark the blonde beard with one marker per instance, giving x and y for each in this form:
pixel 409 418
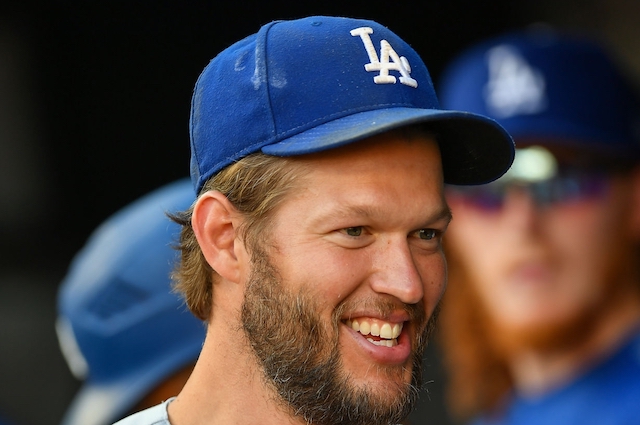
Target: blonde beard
pixel 300 356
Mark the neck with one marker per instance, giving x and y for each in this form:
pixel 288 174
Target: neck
pixel 537 371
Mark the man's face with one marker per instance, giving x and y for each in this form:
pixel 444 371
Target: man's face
pixel 544 273
pixel 338 313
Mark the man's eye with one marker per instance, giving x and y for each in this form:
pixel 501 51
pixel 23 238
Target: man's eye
pixel 427 234
pixel 353 231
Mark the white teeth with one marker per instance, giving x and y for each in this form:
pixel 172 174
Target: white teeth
pixel 397 328
pixel 387 331
pixel 375 329
pixel 355 325
pixel 383 342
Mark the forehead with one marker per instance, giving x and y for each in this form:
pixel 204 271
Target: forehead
pixel 403 169
pixel 395 149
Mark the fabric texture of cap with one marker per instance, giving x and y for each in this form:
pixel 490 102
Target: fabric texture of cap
pixel 316 83
pixel 540 83
pixel 120 326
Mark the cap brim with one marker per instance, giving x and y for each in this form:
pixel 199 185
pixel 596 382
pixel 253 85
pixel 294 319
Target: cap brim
pixel 475 149
pixel 99 403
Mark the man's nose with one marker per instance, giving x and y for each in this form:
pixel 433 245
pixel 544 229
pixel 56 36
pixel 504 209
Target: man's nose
pixel 396 273
pixel 521 208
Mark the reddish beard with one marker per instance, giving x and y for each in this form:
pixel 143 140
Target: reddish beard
pixel 572 330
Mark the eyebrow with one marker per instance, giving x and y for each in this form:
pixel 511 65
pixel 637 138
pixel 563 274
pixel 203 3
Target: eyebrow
pixel 368 211
pixel 444 214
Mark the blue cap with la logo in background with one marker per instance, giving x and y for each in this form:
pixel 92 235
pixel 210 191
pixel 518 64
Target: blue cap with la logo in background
pixel 541 83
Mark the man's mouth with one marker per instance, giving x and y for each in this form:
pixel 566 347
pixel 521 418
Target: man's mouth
pixel 377 332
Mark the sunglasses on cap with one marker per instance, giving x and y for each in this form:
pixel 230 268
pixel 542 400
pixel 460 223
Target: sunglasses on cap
pixel 548 182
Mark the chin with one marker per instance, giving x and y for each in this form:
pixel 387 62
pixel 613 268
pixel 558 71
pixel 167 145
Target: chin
pixel 544 331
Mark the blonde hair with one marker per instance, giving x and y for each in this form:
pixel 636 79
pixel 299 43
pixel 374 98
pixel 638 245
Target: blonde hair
pixel 255 185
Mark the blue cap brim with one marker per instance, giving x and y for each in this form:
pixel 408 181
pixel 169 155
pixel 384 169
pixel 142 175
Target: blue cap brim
pixel 475 149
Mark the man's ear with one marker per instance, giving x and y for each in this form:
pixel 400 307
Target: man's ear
pixel 214 223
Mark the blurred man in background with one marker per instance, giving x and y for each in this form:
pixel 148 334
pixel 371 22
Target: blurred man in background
pixel 121 328
pixel 541 321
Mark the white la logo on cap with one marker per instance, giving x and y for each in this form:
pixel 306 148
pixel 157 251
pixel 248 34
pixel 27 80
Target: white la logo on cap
pixel 514 86
pixel 398 63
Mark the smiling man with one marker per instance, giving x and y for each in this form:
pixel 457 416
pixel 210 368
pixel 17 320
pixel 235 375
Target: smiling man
pixel 313 251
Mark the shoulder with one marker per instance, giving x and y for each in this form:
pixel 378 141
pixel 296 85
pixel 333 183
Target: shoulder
pixel 156 415
pixel 622 370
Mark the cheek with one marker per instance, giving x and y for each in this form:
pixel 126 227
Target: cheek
pixel 433 273
pixel 480 252
pixel 330 275
pixel 475 243
pixel 587 241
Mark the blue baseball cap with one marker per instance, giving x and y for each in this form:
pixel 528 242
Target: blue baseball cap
pixel 539 83
pixel 311 84
pixel 121 328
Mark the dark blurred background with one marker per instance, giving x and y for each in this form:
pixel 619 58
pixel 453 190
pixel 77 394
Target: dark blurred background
pixel 94 106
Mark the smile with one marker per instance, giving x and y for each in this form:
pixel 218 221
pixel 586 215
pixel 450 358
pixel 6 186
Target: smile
pixel 384 334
